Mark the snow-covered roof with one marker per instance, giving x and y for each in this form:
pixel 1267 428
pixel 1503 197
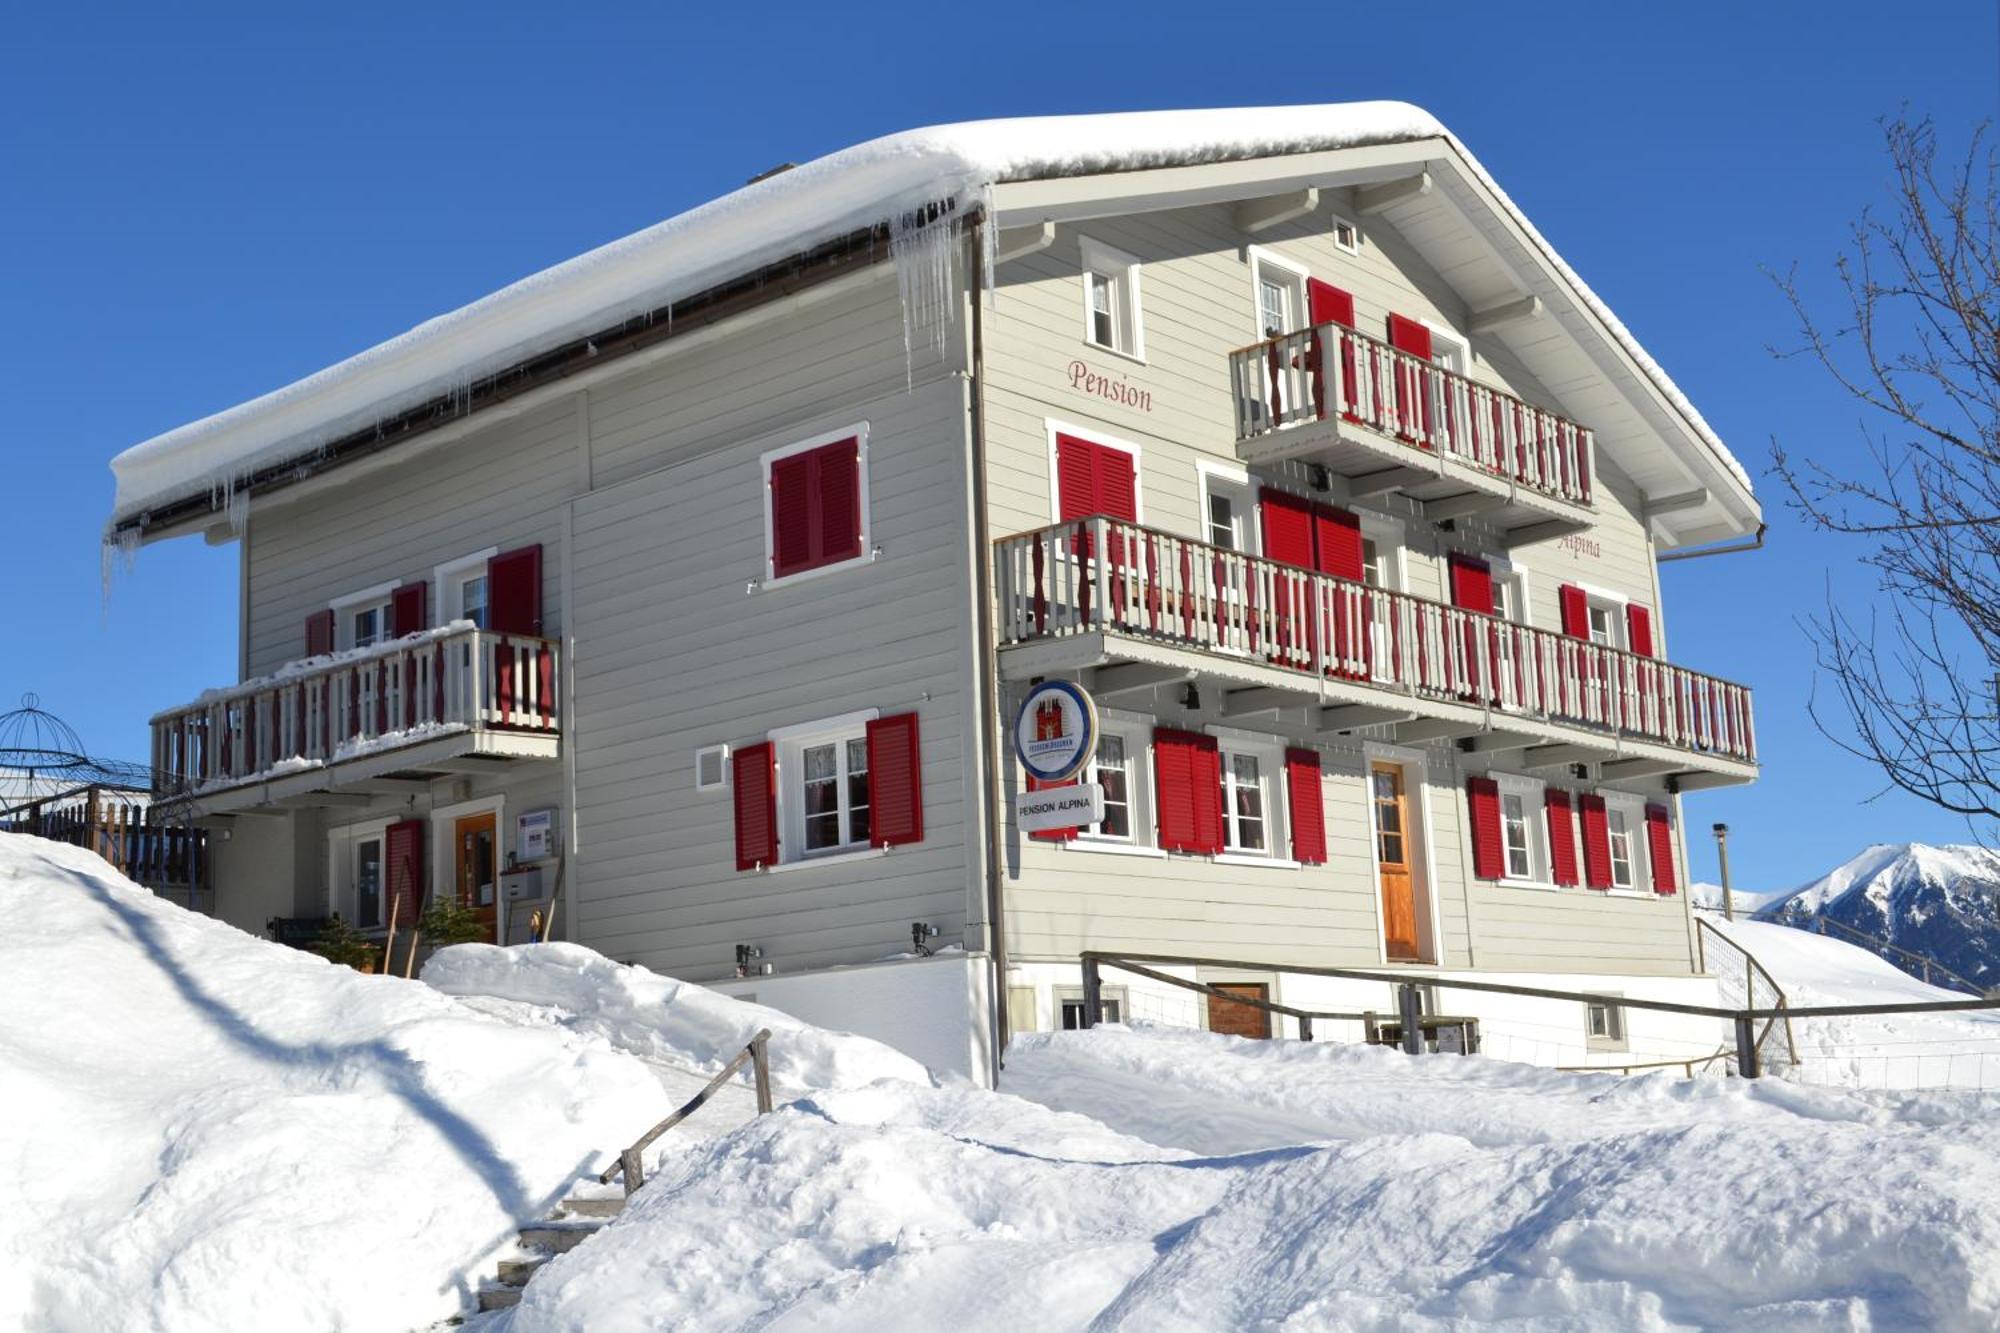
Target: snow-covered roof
pixel 763 223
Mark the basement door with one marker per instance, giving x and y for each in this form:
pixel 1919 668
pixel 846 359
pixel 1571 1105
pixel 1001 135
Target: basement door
pixel 1392 862
pixel 1240 1020
pixel 474 867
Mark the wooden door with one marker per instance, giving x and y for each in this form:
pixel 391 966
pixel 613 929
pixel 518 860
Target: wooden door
pixel 1392 861
pixel 475 868
pixel 1240 1020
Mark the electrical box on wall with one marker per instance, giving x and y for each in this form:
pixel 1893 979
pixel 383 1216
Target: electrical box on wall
pixel 521 885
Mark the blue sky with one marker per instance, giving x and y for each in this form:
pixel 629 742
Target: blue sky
pixel 203 203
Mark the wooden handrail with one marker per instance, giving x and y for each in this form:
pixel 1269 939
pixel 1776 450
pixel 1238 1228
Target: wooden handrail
pixel 1820 922
pixel 631 1160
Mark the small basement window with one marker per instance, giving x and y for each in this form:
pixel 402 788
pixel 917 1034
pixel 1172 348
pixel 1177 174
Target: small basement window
pixel 1069 1004
pixel 1604 1023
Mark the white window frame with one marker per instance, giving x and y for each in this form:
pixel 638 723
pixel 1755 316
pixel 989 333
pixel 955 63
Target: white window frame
pixel 1107 995
pixel 1617 1036
pixel 1295 275
pixel 450 578
pixel 790 744
pixel 1352 245
pixel 1533 795
pixel 343 846
pixel 1128 329
pixel 1137 734
pixel 1235 484
pixel 380 599
pixel 1052 428
pixel 1390 538
pixel 1449 351
pixel 1613 604
pixel 1633 808
pixel 720 754
pixel 859 433
pixel 1269 752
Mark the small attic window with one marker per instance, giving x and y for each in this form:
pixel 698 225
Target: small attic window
pixel 1345 237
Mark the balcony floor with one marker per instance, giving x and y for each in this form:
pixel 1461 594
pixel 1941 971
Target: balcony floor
pixel 1372 462
pixel 376 772
pixel 1528 741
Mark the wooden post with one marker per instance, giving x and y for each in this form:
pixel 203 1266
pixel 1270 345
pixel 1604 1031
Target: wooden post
pixel 1746 1047
pixel 1412 1006
pixel 1093 993
pixel 1305 1027
pixel 410 967
pixel 629 1162
pixel 761 1063
pixel 389 940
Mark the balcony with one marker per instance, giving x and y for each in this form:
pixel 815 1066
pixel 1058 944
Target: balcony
pixel 1385 419
pixel 1157 608
pixel 335 730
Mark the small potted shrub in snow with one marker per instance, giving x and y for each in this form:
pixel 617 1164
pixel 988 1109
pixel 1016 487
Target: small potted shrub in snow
pixel 448 921
pixel 339 942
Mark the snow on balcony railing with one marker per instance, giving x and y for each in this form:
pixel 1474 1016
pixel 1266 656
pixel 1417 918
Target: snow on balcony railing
pixel 1102 574
pixel 1334 370
pixel 457 678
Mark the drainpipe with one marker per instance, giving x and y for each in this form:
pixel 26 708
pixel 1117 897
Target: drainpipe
pixel 988 673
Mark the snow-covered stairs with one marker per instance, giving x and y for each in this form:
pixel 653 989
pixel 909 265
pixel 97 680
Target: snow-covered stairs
pixel 573 1222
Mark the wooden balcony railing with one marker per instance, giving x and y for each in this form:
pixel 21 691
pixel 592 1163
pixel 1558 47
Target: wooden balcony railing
pixel 168 858
pixel 326 710
pixel 1334 371
pixel 1102 574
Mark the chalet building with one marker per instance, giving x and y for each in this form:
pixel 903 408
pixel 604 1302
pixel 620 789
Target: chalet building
pixel 701 578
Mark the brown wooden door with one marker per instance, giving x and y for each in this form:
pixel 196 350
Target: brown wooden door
pixel 1392 861
pixel 475 868
pixel 1240 1020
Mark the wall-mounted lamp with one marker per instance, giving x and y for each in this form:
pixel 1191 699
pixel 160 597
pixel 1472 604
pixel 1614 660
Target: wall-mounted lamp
pixel 747 961
pixel 920 933
pixel 1191 698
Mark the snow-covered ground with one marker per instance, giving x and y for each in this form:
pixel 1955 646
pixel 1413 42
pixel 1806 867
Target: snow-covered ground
pixel 1959 1050
pixel 205 1131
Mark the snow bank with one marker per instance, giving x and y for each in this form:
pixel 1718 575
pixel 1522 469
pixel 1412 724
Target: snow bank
pixel 1337 1188
pixel 662 1019
pixel 764 222
pixel 202 1130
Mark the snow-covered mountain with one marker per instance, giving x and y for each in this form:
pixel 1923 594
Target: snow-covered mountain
pixel 1940 902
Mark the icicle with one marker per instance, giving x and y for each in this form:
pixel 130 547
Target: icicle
pixel 121 549
pixel 920 243
pixel 989 244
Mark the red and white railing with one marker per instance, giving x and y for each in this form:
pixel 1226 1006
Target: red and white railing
pixel 1102 574
pixel 361 702
pixel 1331 371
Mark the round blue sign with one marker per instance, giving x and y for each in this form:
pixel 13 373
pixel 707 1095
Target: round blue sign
pixel 1055 733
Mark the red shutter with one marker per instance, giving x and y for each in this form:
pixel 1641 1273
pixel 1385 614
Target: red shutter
pixel 1562 839
pixel 837 490
pixel 1094 479
pixel 1117 484
pixel 1482 801
pixel 791 515
pixel 408 609
pixel 1596 843
pixel 406 871
pixel 1288 528
pixel 514 591
pixel 1575 611
pixel 753 770
pixel 1660 840
pixel 1471 584
pixel 895 782
pixel 1328 304
pixel 1308 807
pixel 1063 834
pixel 1337 542
pixel 1406 335
pixel 1187 783
pixel 319 634
pixel 1639 629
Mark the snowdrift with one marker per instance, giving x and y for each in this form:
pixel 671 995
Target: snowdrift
pixel 660 1018
pixel 201 1130
pixel 1431 1193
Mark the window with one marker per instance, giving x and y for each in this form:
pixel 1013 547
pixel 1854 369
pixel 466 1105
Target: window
pixel 1252 798
pixel 1449 350
pixel 711 767
pixel 1524 850
pixel 1345 236
pixel 1069 1003
pixel 1120 768
pixel 1111 299
pixel 1280 289
pixel 1229 507
pixel 462 591
pixel 1624 866
pixel 1603 625
pixel 364 618
pixel 1112 771
pixel 1515 829
pixel 824 796
pixel 1604 1023
pixel 368 883
pixel 816 515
